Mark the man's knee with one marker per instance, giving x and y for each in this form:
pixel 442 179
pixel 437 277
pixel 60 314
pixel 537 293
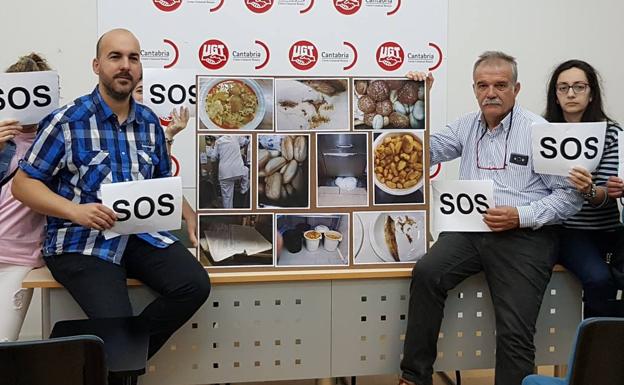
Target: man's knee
pixel 197 286
pixel 426 276
pixel 203 286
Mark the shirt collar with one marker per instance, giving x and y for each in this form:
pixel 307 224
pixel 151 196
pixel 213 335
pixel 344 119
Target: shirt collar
pixel 506 122
pixel 105 112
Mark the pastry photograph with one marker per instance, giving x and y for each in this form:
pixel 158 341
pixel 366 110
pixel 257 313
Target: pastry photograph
pixel 388 104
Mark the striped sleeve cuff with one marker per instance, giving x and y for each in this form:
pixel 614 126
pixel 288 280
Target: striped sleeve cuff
pixel 32 171
pixel 526 216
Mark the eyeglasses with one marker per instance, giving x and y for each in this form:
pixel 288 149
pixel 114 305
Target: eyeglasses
pixel 504 166
pixel 577 88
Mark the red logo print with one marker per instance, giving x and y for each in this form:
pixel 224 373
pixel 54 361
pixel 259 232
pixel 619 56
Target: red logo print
pixel 167 5
pixel 213 54
pixel 303 55
pixel 390 56
pixel 259 6
pixel 347 7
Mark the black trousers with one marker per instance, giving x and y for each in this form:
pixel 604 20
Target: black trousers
pixel 517 265
pixel 100 288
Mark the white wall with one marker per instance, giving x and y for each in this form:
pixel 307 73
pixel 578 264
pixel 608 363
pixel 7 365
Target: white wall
pixel 540 33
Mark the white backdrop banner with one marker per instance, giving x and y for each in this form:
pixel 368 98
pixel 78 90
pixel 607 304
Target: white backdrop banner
pixel 285 37
pixel 459 205
pixel 557 147
pixel 144 206
pixel 28 96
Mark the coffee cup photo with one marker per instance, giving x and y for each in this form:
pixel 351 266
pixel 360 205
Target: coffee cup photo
pixel 332 239
pixel 312 240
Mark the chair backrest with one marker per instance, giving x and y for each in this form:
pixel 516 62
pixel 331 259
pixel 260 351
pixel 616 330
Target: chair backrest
pixel 77 360
pixel 598 357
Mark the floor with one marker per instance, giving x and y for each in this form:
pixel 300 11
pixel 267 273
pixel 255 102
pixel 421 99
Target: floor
pixel 472 377
pixel 468 377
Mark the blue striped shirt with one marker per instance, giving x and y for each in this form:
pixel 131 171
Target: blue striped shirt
pixel 607 215
pixel 540 199
pixel 81 146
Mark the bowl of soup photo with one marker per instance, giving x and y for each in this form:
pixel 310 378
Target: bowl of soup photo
pixel 231 104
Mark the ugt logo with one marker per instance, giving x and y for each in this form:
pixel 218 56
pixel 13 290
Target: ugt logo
pixel 303 55
pixel 390 56
pixel 259 6
pixel 167 5
pixel 347 7
pixel 213 54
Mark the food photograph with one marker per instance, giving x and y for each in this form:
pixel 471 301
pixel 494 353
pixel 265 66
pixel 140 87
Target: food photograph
pixel 389 237
pixel 388 104
pixel 398 159
pixel 313 240
pixel 236 240
pixel 312 104
pixel 283 165
pixel 234 103
pixel 225 172
pixel 342 170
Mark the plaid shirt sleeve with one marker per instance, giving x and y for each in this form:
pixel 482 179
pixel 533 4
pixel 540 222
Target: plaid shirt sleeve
pixel 47 154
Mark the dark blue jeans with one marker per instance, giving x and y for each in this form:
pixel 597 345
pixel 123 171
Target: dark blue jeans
pixel 583 252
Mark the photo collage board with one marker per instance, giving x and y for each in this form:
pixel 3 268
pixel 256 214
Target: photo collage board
pixel 311 172
pixel 309 144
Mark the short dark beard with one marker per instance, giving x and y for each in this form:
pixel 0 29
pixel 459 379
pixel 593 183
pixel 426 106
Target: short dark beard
pixel 118 96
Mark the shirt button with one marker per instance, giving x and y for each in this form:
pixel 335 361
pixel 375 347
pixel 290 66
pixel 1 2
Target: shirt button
pixel 123 153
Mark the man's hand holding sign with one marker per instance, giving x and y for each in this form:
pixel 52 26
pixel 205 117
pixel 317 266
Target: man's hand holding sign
pixel 502 218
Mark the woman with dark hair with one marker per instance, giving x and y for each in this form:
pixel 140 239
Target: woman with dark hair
pixel 21 229
pixel 574 95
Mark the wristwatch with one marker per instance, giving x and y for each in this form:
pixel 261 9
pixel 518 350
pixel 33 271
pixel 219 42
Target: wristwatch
pixel 169 141
pixel 591 194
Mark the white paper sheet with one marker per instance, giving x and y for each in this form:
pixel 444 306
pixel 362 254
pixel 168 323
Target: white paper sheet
pixel 28 96
pixel 557 147
pixel 161 219
pixel 458 205
pixel 225 240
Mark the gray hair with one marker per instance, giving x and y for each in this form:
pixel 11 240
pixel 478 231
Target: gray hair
pixel 492 56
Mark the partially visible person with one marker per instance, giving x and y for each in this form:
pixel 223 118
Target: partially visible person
pixel 21 229
pixel 179 118
pixel 232 169
pixel 574 95
pixel 518 254
pixel 106 137
pixel 615 189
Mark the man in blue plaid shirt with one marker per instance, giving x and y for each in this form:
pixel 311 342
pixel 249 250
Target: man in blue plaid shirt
pixel 105 137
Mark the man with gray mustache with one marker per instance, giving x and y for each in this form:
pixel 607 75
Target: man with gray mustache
pixel 517 256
